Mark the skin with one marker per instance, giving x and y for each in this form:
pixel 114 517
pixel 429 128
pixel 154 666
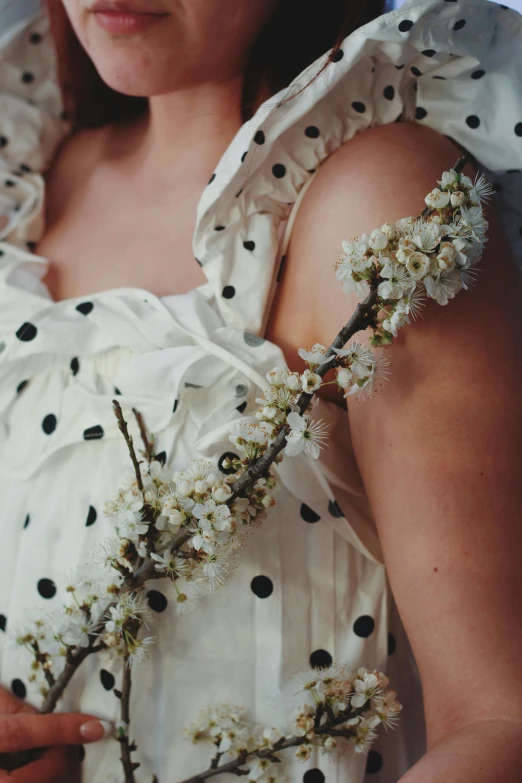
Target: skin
pixel 439 448
pixel 22 728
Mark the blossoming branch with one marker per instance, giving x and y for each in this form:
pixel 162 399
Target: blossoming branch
pixel 190 525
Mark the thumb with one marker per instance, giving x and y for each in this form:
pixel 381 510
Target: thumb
pixel 26 730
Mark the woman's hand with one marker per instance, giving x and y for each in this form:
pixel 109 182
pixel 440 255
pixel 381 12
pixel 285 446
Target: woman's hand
pixel 22 728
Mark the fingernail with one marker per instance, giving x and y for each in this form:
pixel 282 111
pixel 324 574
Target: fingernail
pixel 96 730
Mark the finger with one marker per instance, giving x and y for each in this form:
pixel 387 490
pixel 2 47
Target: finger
pixel 50 768
pixel 10 704
pixel 24 730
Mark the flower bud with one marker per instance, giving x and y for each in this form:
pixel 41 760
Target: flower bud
pixel 378 240
pixel 221 494
pixel 344 377
pixel 389 230
pixel 437 199
pixel 293 382
pixel 277 376
pixel 458 198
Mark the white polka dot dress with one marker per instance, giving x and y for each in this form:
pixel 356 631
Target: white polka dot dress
pixel 311 586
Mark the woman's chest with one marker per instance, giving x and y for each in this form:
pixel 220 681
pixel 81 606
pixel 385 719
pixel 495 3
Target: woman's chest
pixel 107 235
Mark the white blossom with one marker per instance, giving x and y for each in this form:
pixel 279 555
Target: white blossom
pixel 378 240
pixel 316 354
pixel 437 199
pixel 481 190
pixel 310 381
pixel 458 198
pixel 303 753
pixel 425 236
pixel 449 179
pixel 305 436
pixel 171 563
pixel 217 514
pixel 443 286
pixel 418 265
pixel 397 282
pixel 399 318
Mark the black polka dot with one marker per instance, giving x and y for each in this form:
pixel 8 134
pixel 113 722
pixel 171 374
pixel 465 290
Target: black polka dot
pixel 389 92
pixel 25 167
pixel 21 386
pixel 262 586
pixel 31 246
pixel 259 138
pixel 228 292
pixel 46 588
pixel 230 456
pixel 19 689
pixel 518 129
pixel 392 644
pixel 156 601
pixel 253 340
pixel 175 406
pixel 459 24
pixel 27 332
pixel 219 228
pixel 249 245
pixel 312 132
pixel 313 776
pixel 364 626
pixel 9 183
pixel 93 433
pixel 278 170
pixel 359 107
pixel 415 71
pixel 373 762
pixel 81 753
pixel 3 141
pixel 241 408
pixel 308 514
pixel 241 390
pixel 3 622
pixel 399 67
pixel 336 56
pixel 472 121
pixel 107 679
pixel 161 457
pixel 27 77
pixel 429 52
pixel 198 261
pixel 27 520
pixel 91 516
pixel 420 113
pixel 117 391
pixel 85 308
pixel 405 25
pixel 35 38
pixel 75 366
pixel 335 509
pixel 239 192
pixel 478 74
pixel 320 659
pixel 439 77
pixel 243 156
pixel 212 178
pixel 49 423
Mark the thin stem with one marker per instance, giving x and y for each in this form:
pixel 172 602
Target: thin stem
pixel 128 765
pixel 234 767
pixel 149 448
pixel 122 424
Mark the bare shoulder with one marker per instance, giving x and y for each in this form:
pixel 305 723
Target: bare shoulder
pixel 380 175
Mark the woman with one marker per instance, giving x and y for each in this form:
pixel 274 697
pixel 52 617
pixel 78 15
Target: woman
pixel 101 297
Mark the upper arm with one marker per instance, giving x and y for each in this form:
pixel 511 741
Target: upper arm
pixel 439 449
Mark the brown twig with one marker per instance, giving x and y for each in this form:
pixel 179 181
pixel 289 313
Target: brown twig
pixel 149 447
pixel 122 424
pixel 234 767
pixel 126 748
pixel 359 320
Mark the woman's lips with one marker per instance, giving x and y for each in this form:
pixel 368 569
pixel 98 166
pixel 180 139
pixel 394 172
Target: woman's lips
pixel 126 22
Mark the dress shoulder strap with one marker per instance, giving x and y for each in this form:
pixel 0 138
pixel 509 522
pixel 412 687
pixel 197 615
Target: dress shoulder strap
pixel 283 246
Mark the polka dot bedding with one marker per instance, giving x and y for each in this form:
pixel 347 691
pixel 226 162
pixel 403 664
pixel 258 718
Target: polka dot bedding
pixel 311 586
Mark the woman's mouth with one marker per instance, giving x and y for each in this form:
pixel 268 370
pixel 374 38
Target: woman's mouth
pixel 120 18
